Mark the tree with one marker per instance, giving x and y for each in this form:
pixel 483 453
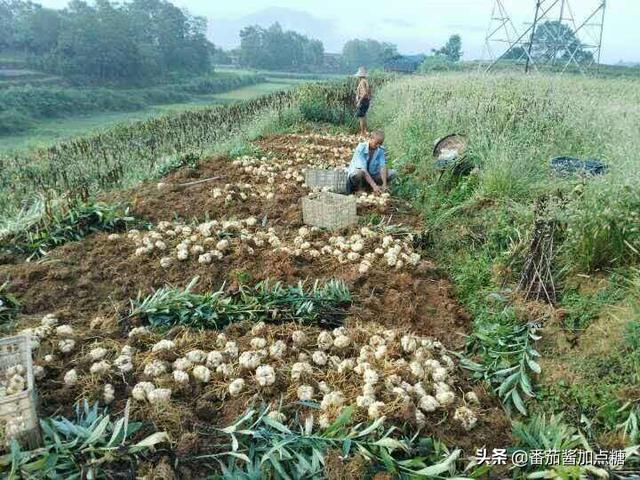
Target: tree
pixel 220 56
pixel 95 42
pixel 251 46
pixel 275 49
pixel 26 26
pixel 436 63
pixel 516 53
pixel 452 50
pixel 107 41
pixel 169 36
pixel 554 40
pixel 369 53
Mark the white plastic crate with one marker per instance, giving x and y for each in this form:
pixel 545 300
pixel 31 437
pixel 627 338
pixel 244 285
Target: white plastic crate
pixel 20 407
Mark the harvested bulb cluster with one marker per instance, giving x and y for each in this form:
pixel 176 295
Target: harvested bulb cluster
pixel 234 193
pixel 271 173
pixel 372 200
pixel 62 337
pixel 327 155
pixel 369 247
pixel 207 242
pixel 13 428
pixel 214 240
pixel 380 371
pixel 13 381
pixel 48 328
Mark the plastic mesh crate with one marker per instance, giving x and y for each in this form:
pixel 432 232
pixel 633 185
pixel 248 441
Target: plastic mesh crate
pixel 21 407
pixel 335 180
pixel 329 210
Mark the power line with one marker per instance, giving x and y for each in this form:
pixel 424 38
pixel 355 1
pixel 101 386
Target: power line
pixel 557 39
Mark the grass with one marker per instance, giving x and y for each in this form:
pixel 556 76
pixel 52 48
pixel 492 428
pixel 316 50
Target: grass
pixel 253 91
pixel 21 106
pixel 584 307
pixel 46 132
pixel 593 379
pixel 280 75
pixel 480 225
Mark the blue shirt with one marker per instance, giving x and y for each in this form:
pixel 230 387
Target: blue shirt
pixel 361 156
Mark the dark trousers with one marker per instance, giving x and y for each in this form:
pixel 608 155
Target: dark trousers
pixel 357 181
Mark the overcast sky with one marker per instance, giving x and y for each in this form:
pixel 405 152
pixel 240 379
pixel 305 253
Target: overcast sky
pixel 414 25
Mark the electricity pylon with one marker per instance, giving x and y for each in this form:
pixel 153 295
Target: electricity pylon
pixel 557 39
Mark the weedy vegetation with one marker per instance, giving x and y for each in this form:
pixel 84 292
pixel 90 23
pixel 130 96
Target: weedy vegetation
pixel 258 444
pixel 48 224
pixel 91 445
pixel 9 307
pixel 479 225
pixel 267 301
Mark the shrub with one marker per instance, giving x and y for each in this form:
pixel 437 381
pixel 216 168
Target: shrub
pixel 14 121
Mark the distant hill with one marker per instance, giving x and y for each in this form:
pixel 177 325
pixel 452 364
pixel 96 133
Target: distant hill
pixel 622 63
pixel 225 32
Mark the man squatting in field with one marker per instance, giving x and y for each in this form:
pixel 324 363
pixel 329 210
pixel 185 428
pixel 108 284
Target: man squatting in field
pixel 368 168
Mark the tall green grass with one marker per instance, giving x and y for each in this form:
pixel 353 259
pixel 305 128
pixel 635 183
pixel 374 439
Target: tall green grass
pixel 480 225
pixel 515 125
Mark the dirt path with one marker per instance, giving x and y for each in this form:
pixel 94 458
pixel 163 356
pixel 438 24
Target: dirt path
pixel 98 276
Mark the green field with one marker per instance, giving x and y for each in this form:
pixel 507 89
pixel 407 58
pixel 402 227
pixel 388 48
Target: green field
pixel 277 74
pixel 48 131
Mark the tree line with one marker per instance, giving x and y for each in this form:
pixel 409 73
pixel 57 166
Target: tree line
pixel 106 41
pixel 139 41
pixel 273 48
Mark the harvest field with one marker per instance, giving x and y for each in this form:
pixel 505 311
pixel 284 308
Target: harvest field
pixel 251 345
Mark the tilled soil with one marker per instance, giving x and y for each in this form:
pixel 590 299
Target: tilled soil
pixel 99 276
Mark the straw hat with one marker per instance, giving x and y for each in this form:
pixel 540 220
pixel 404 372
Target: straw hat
pixel 362 72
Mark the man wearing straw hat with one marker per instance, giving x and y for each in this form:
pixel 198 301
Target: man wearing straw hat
pixel 368 168
pixel 363 99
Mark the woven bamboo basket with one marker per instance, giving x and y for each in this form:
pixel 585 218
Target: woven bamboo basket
pixel 21 406
pixel 329 210
pixel 336 180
